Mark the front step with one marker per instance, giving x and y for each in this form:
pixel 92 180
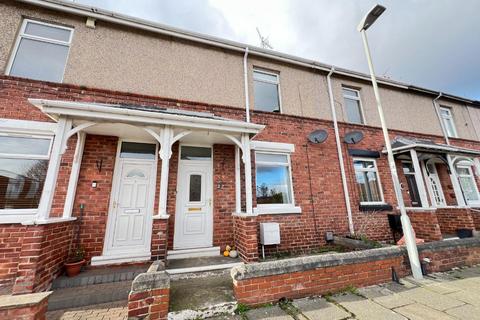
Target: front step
pixel 193 253
pixel 67 298
pixel 99 276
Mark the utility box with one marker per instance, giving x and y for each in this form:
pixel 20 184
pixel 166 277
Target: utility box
pixel 269 233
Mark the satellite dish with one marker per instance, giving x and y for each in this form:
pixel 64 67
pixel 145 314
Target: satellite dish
pixel 353 137
pixel 318 136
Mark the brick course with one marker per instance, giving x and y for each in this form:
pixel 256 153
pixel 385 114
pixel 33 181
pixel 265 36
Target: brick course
pixel 452 219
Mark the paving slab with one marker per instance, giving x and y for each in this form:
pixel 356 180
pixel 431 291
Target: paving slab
pixel 375 291
pixel 393 301
pixel 442 287
pixel 271 313
pixel 319 309
pixel 467 296
pixel 431 299
pixel 465 312
pixel 226 317
pixel 106 311
pixel 366 309
pixel 418 311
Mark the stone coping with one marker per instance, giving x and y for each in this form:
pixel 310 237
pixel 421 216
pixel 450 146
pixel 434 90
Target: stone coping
pixel 450 244
pixel 154 278
pixel 22 300
pixel 265 269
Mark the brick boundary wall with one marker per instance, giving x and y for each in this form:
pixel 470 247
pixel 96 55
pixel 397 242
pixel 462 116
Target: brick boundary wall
pixel 451 219
pixel 159 239
pixel 24 307
pixel 150 294
pixel 259 283
pixel 476 218
pixel 245 233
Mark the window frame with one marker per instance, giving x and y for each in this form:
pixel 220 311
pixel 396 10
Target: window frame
pixel 277 83
pixel 382 201
pixel 471 175
pixel 285 149
pixel 33 211
pixel 357 98
pixel 21 34
pixel 450 118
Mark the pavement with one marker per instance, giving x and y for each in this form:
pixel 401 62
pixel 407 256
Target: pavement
pixel 451 295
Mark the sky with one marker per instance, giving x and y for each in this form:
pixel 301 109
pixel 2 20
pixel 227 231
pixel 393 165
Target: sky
pixel 429 43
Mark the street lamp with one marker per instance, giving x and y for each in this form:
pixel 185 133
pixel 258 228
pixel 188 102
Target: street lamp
pixel 366 23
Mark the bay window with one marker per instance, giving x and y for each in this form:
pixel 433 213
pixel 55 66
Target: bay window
pixel 23 168
pixel 368 182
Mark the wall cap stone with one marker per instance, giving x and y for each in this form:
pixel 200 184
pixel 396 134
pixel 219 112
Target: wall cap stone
pixel 449 244
pixel 22 300
pixel 154 278
pixel 265 269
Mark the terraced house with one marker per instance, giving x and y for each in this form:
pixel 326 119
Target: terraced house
pixel 138 141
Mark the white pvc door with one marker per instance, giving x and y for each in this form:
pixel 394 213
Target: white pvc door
pixel 131 210
pixel 435 187
pixel 193 217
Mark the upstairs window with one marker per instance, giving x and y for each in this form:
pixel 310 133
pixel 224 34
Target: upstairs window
pixel 41 51
pixel 368 183
pixel 266 90
pixel 353 105
pixel 23 168
pixel 448 123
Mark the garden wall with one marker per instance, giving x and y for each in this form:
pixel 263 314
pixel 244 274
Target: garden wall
pixel 260 283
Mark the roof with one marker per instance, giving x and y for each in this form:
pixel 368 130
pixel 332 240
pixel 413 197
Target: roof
pixel 105 15
pixel 403 144
pixel 143 115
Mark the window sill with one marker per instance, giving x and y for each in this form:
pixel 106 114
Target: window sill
pixel 48 221
pixel 365 207
pixel 277 210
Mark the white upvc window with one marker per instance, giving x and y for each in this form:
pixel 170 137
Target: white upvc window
pixel 41 51
pixel 266 91
pixel 467 182
pixel 353 105
pixel 448 122
pixel 23 168
pixel 274 188
pixel 368 181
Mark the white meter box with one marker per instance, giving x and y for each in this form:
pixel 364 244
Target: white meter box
pixel 269 233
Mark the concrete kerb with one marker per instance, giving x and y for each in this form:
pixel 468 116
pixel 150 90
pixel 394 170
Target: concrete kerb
pixel 154 278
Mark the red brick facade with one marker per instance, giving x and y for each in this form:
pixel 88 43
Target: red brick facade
pixel 451 220
pixel 425 224
pixel 315 175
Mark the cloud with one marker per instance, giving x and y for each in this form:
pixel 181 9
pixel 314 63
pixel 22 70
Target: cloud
pixel 433 44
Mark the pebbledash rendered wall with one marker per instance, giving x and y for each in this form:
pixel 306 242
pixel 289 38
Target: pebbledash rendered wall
pixel 315 174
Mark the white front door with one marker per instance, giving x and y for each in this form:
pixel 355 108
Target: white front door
pixel 129 226
pixel 193 216
pixel 435 187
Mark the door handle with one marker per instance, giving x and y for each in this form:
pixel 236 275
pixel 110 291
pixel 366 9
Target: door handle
pixel 210 202
pixel 114 204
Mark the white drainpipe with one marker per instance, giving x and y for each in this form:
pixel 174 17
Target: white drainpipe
pixel 439 116
pixel 340 154
pixel 245 80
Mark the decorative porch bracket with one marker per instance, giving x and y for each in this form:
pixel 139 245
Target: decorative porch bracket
pixel 456 184
pixel 166 139
pixel 73 131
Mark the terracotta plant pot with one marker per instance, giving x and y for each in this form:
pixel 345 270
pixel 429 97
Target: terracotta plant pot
pixel 73 268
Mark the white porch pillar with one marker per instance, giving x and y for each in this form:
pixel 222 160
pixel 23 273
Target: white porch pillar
pixel 456 185
pixel 45 205
pixel 166 137
pixel 75 172
pixel 476 162
pixel 419 179
pixel 248 173
pixel 238 192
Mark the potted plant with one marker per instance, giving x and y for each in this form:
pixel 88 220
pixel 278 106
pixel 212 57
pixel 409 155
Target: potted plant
pixel 75 261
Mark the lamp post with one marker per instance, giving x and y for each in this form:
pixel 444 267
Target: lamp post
pixel 367 22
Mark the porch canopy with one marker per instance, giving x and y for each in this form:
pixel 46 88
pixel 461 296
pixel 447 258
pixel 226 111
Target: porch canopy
pixel 163 125
pixel 420 150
